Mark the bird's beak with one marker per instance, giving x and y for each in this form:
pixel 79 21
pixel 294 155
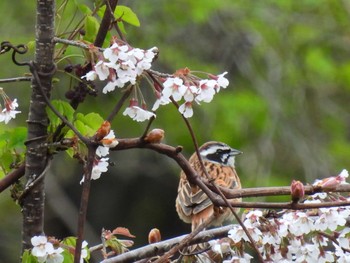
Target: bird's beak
pixel 235 152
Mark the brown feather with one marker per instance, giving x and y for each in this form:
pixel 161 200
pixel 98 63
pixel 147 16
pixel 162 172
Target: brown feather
pixel 193 205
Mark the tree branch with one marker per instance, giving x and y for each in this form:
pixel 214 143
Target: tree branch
pixel 18 79
pixel 12 177
pixel 163 246
pixel 36 157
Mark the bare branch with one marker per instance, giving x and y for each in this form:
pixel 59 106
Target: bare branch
pixel 163 246
pixel 18 79
pixel 12 177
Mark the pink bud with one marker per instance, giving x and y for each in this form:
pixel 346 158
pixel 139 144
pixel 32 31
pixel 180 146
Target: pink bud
pixel 103 130
pixel 297 190
pixel 154 236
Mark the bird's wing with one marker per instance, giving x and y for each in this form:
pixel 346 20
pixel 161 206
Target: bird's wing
pixel 193 200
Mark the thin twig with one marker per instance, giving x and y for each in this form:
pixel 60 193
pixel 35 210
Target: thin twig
pixel 84 201
pixel 72 43
pixel 54 110
pixel 31 184
pixel 120 103
pixel 18 79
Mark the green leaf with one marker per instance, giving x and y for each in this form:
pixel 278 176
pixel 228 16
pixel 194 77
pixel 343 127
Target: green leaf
pixel 82 128
pixel 91 27
pixel 91 120
pixel 125 14
pixel 27 257
pixel 100 12
pixel 14 138
pixel 121 27
pixel 64 108
pixel 87 125
pixel 83 8
pixel 69 241
pixel 12 148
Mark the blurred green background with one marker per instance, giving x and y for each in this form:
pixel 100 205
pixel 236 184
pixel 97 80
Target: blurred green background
pixel 286 107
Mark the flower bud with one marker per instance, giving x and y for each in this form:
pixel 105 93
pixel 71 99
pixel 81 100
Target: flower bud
pixel 155 136
pixel 297 190
pixel 103 130
pixel 154 236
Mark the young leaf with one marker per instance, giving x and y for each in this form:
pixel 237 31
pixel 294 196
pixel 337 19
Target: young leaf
pixel 93 121
pixel 91 27
pixel 83 8
pixel 125 14
pixel 27 257
pixel 100 12
pixel 64 108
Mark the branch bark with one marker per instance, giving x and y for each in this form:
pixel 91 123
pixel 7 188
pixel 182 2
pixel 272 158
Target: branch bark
pixel 163 246
pixel 36 157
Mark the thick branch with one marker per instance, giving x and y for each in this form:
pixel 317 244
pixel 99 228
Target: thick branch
pixel 36 157
pixel 107 19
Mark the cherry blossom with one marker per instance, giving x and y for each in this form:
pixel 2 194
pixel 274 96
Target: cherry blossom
pixel 186 110
pixel 121 64
pixel 116 52
pixel 102 70
pixel 84 251
pixel 162 100
pixel 174 87
pixel 91 75
pixel 138 114
pixel 109 141
pixel 100 166
pixel 206 90
pixel 190 88
pixel 44 251
pixel 9 112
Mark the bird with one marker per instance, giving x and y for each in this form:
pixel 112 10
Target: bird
pixel 192 204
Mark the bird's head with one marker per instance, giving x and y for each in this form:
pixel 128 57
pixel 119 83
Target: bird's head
pixel 218 152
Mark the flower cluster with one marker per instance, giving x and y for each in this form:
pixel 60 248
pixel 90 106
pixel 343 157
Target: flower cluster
pixel 44 251
pixel 121 64
pixel 9 112
pixel 101 161
pixel 318 235
pixel 191 89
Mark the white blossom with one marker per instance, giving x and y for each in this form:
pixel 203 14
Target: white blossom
pixel 206 90
pixel 9 112
pixel 121 64
pixel 102 70
pixel 174 87
pixel 186 109
pixel 44 251
pixel 91 75
pixel 138 114
pixel 100 166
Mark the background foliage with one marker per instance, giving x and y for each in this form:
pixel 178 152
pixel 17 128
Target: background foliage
pixel 286 107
